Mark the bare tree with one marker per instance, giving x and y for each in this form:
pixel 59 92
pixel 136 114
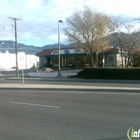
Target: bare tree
pixel 129 39
pixel 87 28
pixel 136 57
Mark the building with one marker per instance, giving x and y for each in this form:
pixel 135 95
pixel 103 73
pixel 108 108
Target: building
pixel 25 61
pixel 74 57
pixel 114 57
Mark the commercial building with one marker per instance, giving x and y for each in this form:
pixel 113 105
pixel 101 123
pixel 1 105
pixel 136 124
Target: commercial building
pixel 25 61
pixel 73 57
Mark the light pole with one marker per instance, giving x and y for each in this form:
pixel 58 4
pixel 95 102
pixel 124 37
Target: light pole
pixel 16 51
pixel 59 75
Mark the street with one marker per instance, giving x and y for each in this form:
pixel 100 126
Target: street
pixel 67 115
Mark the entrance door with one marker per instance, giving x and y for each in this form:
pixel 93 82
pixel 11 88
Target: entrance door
pixel 63 61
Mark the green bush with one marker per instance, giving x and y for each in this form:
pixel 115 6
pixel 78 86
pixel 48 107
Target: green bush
pixel 110 73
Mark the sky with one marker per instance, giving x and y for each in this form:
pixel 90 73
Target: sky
pixel 39 18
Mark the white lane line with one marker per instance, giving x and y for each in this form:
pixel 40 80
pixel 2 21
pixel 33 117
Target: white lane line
pixel 20 103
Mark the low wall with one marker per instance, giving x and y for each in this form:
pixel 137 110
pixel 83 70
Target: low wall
pixel 54 74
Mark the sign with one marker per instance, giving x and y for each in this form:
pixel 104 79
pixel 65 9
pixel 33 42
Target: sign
pixel 66 51
pixel 55 52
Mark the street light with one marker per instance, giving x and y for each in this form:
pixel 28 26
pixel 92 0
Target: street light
pixel 59 75
pixel 16 51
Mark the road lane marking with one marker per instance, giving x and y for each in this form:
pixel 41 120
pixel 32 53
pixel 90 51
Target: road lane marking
pixel 21 103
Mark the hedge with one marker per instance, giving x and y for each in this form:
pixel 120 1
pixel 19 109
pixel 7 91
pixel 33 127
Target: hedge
pixel 110 73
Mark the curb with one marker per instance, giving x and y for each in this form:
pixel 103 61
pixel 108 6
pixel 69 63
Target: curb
pixel 76 80
pixel 72 89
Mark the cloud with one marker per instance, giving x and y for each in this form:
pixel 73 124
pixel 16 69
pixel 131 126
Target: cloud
pixel 32 4
pixel 40 17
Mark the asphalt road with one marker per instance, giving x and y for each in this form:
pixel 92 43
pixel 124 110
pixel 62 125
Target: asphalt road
pixel 65 115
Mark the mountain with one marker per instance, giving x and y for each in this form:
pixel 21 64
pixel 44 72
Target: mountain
pixel 113 38
pixel 10 46
pixel 30 49
pixel 56 45
pixel 53 46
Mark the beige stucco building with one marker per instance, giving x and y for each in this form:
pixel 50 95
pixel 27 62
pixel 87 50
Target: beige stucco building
pixel 114 58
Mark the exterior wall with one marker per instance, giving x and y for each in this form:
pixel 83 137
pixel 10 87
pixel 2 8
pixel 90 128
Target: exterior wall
pixel 120 60
pixel 30 61
pixel 8 61
pixel 110 60
pixel 45 60
pixel 66 61
pixel 42 60
pixel 106 59
pixel 114 60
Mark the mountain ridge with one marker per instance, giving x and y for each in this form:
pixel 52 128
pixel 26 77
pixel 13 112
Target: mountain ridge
pixel 31 49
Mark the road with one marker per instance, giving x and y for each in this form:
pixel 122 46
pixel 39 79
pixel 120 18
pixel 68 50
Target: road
pixel 67 115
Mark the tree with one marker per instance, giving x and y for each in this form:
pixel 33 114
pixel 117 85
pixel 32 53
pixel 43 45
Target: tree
pixel 136 57
pixel 87 28
pixel 128 38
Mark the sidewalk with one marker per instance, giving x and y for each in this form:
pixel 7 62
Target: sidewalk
pixel 75 79
pixel 66 88
pixel 40 83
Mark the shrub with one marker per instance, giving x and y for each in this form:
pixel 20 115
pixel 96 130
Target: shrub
pixel 110 73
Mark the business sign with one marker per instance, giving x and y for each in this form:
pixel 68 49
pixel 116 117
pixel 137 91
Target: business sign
pixel 55 52
pixel 77 50
pixel 66 51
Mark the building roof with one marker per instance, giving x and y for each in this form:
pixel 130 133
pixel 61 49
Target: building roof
pixel 45 52
pixel 113 49
pixel 72 50
pixel 54 51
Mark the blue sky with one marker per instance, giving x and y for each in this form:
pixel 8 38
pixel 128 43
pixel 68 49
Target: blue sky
pixel 39 25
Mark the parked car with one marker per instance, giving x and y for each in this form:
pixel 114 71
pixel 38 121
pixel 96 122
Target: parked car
pixel 45 70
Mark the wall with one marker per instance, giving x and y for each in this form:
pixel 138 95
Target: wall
pixel 120 59
pixel 8 61
pixel 110 60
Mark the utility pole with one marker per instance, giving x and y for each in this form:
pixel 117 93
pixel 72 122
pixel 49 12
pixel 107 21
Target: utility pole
pixel 16 50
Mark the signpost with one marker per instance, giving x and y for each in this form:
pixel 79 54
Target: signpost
pixel 22 58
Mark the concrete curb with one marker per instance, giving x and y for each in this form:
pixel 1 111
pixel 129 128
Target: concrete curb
pixel 81 90
pixel 51 75
pixel 73 89
pixel 76 80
